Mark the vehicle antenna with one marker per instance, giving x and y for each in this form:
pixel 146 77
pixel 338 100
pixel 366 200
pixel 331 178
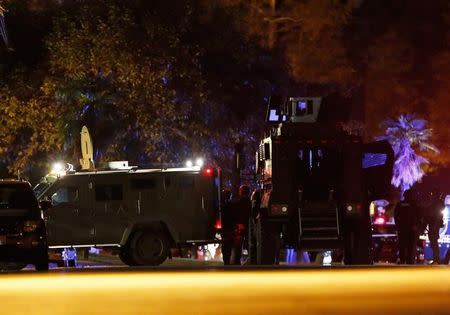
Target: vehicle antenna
pixel 87 155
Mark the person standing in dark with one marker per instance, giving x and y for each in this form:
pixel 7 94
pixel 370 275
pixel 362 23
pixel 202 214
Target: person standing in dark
pixel 235 227
pixel 227 227
pixel 435 220
pixel 407 221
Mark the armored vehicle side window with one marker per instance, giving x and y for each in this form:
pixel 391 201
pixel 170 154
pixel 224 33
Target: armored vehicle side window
pixel 143 183
pixel 108 192
pixel 304 107
pixel 65 195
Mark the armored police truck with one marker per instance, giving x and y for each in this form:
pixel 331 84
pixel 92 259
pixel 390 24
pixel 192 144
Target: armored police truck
pixel 315 182
pixel 142 212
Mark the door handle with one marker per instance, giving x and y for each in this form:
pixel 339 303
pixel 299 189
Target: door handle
pixel 76 211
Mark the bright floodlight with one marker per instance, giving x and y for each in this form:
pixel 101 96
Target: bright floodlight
pixel 189 163
pixel 199 162
pixel 58 167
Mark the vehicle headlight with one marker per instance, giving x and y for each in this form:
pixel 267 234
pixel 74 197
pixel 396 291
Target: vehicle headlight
pixel 31 226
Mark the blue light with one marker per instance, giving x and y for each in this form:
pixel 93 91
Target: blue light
pixel 85 109
pixel 273 117
pixel 373 159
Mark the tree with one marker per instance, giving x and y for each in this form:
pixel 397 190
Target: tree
pixel 407 134
pixel 155 82
pixel 307 34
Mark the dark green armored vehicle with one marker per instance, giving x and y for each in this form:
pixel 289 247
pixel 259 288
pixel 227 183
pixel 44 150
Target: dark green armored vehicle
pixel 141 212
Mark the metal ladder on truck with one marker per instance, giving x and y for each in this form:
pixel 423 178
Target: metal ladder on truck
pixel 319 224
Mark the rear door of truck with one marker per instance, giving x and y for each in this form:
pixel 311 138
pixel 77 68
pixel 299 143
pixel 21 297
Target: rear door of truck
pixel 191 204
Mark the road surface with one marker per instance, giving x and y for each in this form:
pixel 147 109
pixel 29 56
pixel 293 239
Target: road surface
pixel 395 290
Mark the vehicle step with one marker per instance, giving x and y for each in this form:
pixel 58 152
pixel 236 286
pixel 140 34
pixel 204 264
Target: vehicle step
pixel 318 238
pixel 318 219
pixel 320 229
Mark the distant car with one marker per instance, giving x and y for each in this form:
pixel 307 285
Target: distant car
pixel 384 233
pixel 23 237
pixel 384 241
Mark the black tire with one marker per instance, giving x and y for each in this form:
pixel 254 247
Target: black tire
pixel 42 263
pixel 125 256
pixel 267 239
pixel 149 248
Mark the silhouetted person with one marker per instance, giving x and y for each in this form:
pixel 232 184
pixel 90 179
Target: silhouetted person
pixel 227 227
pixel 407 221
pixel 434 218
pixel 235 226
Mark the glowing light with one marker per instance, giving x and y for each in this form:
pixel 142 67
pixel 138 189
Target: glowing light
pixel 208 171
pixel 199 162
pixel 189 163
pixel 379 221
pixel 349 208
pixel 58 167
pixel 327 259
pixel 447 200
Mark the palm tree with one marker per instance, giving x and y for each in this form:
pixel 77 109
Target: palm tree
pixel 2 26
pixel 407 135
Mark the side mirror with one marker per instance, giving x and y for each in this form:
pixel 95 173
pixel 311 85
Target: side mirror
pixel 45 204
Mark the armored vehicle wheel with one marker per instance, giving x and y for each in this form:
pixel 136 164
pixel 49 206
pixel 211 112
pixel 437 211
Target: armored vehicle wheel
pixel 267 239
pixel 125 256
pixel 149 248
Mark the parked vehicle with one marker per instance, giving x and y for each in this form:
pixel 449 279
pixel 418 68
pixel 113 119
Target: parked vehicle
pixel 316 181
pixel 22 230
pixel 141 212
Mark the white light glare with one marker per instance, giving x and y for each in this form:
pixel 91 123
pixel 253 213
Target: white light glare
pixel 199 162
pixel 189 163
pixel 58 167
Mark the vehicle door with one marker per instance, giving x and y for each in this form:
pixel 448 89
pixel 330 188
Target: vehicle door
pixel 145 191
pixel 69 219
pixel 184 206
pixel 111 211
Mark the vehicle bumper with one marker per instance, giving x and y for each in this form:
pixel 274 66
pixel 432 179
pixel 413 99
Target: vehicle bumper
pixel 29 248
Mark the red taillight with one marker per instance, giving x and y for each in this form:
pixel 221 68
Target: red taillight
pixel 379 221
pixel 208 171
pixel 218 224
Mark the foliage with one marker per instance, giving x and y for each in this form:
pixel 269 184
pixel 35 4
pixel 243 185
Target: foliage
pixel 307 34
pixel 408 134
pixel 149 90
pixel 166 80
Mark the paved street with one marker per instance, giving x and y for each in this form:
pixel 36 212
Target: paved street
pixel 118 290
